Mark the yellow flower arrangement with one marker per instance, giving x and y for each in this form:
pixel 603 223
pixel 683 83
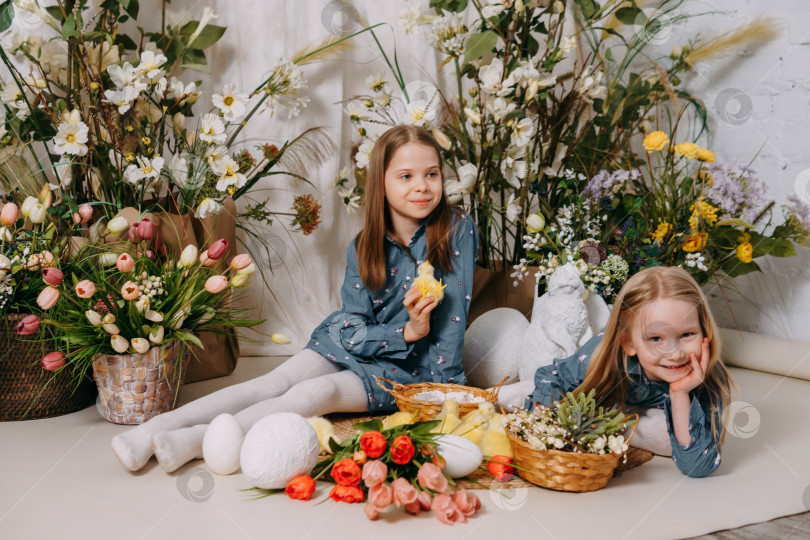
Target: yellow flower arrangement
pixel 696 242
pixel 688 150
pixel 655 141
pixel 661 232
pixel 702 212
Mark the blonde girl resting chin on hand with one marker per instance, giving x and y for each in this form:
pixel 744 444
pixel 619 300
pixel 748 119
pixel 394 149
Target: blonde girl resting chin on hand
pixel 659 350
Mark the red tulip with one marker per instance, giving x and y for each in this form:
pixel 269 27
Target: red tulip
pixel 29 325
pixel 52 276
pixel 218 249
pixel 142 230
pixel 53 361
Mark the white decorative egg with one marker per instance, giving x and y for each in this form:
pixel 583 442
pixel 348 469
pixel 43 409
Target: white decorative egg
pixel 278 448
pixel 222 444
pixel 462 455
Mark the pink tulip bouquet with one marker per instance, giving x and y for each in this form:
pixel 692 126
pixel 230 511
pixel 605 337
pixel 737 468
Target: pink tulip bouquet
pixel 129 302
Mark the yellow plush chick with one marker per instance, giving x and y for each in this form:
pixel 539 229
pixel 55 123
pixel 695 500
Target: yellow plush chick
pixel 427 284
pixel 325 430
pixel 473 428
pixel 449 417
pixel 495 442
pixel 487 409
pixel 398 419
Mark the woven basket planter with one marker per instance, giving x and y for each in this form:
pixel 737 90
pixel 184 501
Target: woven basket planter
pixel 133 388
pixel 26 390
pixel 564 471
pixel 426 410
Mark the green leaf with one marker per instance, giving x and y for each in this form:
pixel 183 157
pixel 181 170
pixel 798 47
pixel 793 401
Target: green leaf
pixel 69 29
pixel 131 7
pixel 374 424
pixel 202 68
pixel 782 247
pixel 334 446
pixel 208 36
pixel 418 428
pixel 188 336
pixel 43 128
pixel 479 44
pixel 54 12
pixel 736 267
pixel 589 8
pixel 6 15
pixel 735 222
pixel 628 15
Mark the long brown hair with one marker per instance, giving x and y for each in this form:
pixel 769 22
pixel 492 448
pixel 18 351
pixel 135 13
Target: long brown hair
pixel 370 241
pixel 607 371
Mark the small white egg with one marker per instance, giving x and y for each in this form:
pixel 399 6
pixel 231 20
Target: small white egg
pixel 462 455
pixel 222 444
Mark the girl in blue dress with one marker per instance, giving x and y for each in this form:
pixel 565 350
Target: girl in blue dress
pixel 659 350
pixel 384 328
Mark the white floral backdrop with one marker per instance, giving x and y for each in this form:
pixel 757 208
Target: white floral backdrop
pixel 758 101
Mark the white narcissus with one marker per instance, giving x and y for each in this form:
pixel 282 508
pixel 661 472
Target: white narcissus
pixel 512 210
pixel 126 75
pixel 121 98
pixel 150 65
pixel 233 104
pixel 208 208
pixel 522 133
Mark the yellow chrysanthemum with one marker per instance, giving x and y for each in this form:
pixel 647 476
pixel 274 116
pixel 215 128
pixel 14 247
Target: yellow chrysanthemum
pixel 687 149
pixel 696 242
pixel 655 141
pixel 702 212
pixel 705 155
pixel 661 232
pixel 745 252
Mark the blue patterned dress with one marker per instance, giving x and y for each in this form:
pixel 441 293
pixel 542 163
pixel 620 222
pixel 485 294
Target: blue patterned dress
pixel 697 459
pixel 366 334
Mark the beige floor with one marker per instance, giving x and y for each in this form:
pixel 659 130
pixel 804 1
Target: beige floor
pixel 60 479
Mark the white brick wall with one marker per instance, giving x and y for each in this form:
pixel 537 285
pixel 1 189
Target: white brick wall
pixel 774 81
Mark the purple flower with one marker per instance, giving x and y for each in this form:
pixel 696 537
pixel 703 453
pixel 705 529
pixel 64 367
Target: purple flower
pixel 737 194
pixel 607 184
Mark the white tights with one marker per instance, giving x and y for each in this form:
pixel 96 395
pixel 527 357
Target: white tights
pixel 306 383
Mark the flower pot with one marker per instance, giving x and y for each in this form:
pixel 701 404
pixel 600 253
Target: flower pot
pixel 136 387
pixel 494 288
pixel 26 390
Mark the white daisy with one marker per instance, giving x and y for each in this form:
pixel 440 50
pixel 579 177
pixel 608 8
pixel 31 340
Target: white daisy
pixel 150 65
pixel 231 179
pixel 121 98
pixel 363 154
pixel 144 169
pixel 71 137
pixel 376 83
pixel 356 112
pixel 212 130
pixel 214 156
pixel 232 104
pixel 419 112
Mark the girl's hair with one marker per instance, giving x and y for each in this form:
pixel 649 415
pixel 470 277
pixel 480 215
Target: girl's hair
pixel 370 241
pixel 607 371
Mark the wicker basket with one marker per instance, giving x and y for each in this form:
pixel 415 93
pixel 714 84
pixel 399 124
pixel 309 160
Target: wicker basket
pixel 26 390
pixel 428 409
pixel 136 387
pixel 565 471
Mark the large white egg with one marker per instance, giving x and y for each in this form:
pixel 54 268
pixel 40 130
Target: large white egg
pixel 278 448
pixel 222 444
pixel 462 455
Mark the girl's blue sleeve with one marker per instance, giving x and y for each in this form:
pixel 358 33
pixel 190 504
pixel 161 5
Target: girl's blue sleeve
pixel 449 319
pixel 356 328
pixel 701 456
pixel 553 381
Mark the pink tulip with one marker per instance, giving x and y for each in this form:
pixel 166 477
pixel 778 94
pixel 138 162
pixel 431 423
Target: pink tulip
pixel 48 297
pixel 446 510
pixel 85 213
pixel 9 214
pixel 85 289
pixel 125 263
pixel 241 262
pixel 404 492
pixel 467 502
pixel 425 499
pixel 130 291
pixel 380 496
pixel 372 513
pixel 142 230
pixel 431 477
pixel 216 284
pixel 206 260
pixel 52 275
pixel 53 361
pixel 29 325
pixel 374 473
pixel 218 249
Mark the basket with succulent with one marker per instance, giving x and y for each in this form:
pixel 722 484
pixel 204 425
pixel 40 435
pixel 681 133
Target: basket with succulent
pixel 571 446
pixel 132 316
